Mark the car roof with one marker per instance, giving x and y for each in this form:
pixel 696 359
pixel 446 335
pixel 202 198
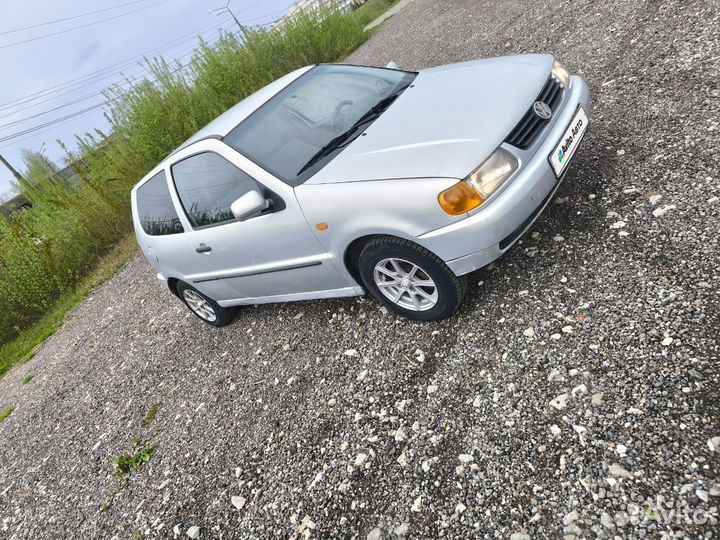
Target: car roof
pixel 223 124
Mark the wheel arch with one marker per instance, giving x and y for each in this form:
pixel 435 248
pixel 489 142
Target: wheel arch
pixel 172 285
pixel 351 257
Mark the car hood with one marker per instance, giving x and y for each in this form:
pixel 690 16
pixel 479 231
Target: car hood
pixel 446 124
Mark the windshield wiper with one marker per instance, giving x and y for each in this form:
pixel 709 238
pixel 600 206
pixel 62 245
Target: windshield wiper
pixel 344 138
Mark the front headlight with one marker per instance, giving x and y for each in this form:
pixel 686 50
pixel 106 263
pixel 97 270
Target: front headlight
pixel 493 172
pixel 561 73
pixel 472 192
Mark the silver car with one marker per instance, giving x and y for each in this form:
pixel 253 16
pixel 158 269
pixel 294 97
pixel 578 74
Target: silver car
pixel 337 180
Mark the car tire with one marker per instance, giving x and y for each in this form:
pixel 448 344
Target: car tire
pixel 204 308
pixel 410 280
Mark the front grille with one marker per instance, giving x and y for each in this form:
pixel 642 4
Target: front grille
pixel 526 132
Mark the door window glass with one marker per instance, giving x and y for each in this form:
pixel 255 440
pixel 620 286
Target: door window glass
pixel 155 207
pixel 207 185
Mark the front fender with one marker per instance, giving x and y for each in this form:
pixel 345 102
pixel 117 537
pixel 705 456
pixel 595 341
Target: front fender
pixel 405 208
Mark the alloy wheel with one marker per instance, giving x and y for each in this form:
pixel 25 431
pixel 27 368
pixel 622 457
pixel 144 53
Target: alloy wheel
pixel 199 305
pixel 405 284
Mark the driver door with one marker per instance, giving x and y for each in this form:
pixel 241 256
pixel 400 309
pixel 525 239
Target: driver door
pixel 273 256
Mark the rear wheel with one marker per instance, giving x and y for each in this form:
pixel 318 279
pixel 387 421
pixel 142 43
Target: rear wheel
pixel 410 280
pixel 203 307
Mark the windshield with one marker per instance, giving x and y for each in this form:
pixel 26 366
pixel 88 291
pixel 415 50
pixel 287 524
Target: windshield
pixel 304 126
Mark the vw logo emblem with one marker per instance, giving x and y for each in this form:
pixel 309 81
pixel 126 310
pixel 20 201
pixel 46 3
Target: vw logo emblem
pixel 542 109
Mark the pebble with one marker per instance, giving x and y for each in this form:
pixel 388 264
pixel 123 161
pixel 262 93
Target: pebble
pixel 570 517
pixel 466 458
pixel 606 521
pixel 621 449
pixel 618 225
pixel 375 534
pixel 667 341
pixel 519 536
pixel 555 337
pixel 618 471
pixel 555 430
pixel 193 532
pixel 477 402
pixel 559 402
pixel 238 502
pixel 402 529
pixel 417 505
pixel 567 329
pixel 351 352
pixel 529 332
pixel 558 238
pixel 658 212
pixel 714 444
pixel 431 389
pixel 597 399
pixel 361 459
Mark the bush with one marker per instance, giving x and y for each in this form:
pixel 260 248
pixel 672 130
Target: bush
pixel 46 249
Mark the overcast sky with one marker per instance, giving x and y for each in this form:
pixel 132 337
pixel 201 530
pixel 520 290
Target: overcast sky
pixel 42 74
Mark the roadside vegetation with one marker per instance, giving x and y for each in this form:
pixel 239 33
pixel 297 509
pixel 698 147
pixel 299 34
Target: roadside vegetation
pixel 77 232
pixel 372 9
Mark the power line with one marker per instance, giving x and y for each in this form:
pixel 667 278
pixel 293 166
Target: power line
pixel 81 26
pixel 109 70
pixel 52 122
pixel 41 127
pixel 129 80
pixel 125 83
pixel 69 18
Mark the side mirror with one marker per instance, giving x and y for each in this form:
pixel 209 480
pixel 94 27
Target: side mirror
pixel 392 65
pixel 248 205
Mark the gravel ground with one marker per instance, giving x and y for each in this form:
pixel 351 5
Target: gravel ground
pixel 576 391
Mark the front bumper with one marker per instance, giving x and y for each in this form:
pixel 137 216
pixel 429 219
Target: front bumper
pixel 489 232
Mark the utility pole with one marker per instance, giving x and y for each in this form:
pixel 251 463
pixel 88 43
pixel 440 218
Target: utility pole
pixel 16 174
pixel 226 9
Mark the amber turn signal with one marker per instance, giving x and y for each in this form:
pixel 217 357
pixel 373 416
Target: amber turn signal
pixel 321 226
pixel 459 199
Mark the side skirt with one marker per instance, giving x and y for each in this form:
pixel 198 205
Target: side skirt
pixel 345 292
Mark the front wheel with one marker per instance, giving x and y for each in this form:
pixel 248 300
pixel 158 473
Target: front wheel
pixel 203 307
pixel 410 280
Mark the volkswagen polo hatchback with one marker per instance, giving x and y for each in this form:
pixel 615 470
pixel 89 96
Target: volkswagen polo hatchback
pixel 341 180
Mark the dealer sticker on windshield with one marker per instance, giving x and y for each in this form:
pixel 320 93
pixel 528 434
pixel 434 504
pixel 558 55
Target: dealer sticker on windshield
pixel 563 153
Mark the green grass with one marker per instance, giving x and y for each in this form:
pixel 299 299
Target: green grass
pixel 151 415
pixel 140 453
pixel 27 379
pixel 6 413
pixel 24 347
pixel 372 9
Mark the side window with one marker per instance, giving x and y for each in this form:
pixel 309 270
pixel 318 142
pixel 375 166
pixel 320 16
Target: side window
pixel 207 185
pixel 155 207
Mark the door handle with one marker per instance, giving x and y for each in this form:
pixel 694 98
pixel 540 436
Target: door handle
pixel 202 248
